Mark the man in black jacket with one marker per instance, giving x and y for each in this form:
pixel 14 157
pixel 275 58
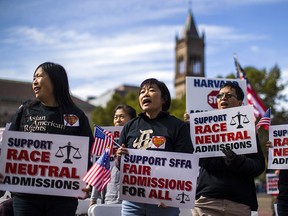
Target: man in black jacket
pixel 282 198
pixel 226 184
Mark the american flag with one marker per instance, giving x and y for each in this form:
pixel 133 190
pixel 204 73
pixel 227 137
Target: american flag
pixel 252 97
pixel 103 139
pixel 99 174
pixel 265 121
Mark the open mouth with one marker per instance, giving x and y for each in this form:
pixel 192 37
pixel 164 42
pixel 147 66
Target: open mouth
pixel 146 101
pixel 36 90
pixel 224 104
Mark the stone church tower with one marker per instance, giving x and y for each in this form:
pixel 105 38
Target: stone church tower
pixel 190 58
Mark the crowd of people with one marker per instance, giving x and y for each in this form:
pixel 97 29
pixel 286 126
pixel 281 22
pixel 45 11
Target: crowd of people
pixel 225 185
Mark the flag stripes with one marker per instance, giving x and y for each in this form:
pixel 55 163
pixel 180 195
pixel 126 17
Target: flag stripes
pixel 252 97
pixel 265 121
pixel 99 174
pixel 103 139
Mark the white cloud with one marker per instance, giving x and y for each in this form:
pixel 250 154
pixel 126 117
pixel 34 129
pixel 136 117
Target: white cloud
pixel 109 61
pixel 228 34
pixel 255 49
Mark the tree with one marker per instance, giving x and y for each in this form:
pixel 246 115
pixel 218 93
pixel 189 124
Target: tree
pixel 103 116
pixel 268 87
pixel 178 107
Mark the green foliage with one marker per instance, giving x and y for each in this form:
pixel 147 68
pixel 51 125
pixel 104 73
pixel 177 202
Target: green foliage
pixel 178 107
pixel 104 116
pixel 99 116
pixel 268 87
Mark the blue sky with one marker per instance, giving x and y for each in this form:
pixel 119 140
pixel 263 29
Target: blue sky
pixel 104 44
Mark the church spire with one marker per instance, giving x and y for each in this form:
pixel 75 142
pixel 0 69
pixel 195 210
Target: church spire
pixel 190 27
pixel 190 58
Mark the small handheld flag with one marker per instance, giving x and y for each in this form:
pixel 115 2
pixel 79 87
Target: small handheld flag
pixel 265 121
pixel 103 138
pixel 99 174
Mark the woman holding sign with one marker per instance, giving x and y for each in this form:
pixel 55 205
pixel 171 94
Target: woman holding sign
pixel 53 112
pixel 153 129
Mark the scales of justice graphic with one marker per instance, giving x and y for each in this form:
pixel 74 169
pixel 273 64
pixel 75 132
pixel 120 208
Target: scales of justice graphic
pixel 68 148
pixel 183 197
pixel 245 120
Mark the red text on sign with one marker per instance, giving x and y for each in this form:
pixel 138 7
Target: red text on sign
pixel 24 155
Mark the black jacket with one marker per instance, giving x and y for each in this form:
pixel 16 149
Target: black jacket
pixel 234 181
pixel 283 185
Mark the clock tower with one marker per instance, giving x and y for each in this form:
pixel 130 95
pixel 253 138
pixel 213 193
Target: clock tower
pixel 190 58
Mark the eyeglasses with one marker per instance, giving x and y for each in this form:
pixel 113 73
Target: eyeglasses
pixel 226 95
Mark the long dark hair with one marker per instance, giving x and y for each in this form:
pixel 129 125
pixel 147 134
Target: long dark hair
pixel 59 79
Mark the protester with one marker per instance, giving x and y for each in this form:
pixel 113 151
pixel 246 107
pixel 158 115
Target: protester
pixel 154 100
pixel 226 184
pixel 282 198
pixel 110 195
pixel 52 112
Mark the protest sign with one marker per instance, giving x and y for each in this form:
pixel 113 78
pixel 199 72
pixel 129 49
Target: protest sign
pixel 201 92
pixel 215 130
pixel 159 177
pixel 41 163
pixel 278 155
pixel 272 183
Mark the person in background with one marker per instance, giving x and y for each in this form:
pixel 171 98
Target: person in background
pixel 282 198
pixel 154 100
pixel 122 114
pixel 226 184
pixel 52 112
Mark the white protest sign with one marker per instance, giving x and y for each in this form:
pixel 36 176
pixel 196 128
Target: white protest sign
pixel 278 155
pixel 41 163
pixel 201 92
pixel 215 130
pixel 159 177
pixel 272 183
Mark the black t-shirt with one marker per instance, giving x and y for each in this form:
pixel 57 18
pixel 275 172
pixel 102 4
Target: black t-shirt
pixel 165 132
pixel 33 116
